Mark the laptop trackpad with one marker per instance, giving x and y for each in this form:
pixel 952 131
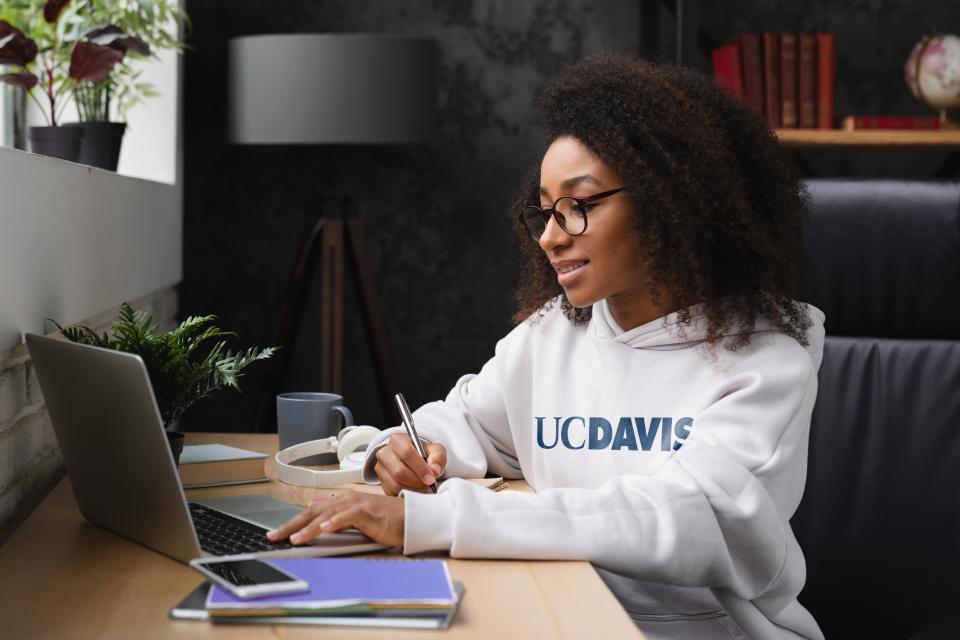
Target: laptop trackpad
pixel 263 510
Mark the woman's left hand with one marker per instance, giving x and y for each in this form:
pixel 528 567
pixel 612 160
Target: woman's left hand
pixel 378 517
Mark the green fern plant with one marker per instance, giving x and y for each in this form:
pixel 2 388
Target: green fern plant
pixel 178 373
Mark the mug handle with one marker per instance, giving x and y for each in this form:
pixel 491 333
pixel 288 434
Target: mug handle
pixel 346 415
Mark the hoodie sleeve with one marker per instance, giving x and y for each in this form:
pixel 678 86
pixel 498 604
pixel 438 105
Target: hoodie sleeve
pixel 714 515
pixel 471 423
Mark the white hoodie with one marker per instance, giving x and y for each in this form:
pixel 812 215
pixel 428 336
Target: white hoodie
pixel 674 472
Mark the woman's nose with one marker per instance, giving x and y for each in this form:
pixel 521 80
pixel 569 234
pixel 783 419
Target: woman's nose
pixel 553 236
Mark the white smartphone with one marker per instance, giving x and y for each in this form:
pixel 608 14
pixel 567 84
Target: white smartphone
pixel 246 576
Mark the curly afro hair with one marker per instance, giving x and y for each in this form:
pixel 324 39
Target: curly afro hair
pixel 718 207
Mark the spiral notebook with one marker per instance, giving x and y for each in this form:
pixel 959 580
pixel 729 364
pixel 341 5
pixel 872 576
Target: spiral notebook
pixel 193 607
pixel 352 585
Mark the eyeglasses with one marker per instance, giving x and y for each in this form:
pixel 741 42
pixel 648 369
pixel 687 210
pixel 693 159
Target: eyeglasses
pixel 569 212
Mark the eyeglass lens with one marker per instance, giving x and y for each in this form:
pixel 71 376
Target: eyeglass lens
pixel 569 215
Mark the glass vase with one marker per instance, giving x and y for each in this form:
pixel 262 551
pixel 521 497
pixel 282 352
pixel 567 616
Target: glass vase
pixel 14 117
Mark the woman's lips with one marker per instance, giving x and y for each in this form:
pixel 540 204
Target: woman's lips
pixel 568 272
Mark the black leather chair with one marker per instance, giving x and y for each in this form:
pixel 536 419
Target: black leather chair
pixel 880 519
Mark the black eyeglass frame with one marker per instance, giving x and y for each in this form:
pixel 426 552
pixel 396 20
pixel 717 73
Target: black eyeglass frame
pixel 546 212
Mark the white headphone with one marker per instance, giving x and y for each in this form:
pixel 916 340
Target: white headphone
pixel 350 446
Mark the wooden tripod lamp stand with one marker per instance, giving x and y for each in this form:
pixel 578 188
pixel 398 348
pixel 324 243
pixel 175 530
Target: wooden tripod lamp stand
pixel 332 89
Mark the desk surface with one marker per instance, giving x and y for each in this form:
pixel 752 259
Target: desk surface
pixel 60 576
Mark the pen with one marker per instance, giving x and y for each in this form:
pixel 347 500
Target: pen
pixel 411 430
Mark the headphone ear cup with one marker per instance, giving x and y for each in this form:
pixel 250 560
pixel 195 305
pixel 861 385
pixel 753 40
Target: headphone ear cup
pixel 343 432
pixel 355 438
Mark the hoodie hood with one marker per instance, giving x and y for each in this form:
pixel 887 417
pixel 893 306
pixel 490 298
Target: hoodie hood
pixel 667 333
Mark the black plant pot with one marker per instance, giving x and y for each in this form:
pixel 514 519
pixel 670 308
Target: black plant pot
pixel 101 143
pixel 175 438
pixel 57 142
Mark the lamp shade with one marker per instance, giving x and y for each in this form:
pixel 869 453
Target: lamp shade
pixel 332 88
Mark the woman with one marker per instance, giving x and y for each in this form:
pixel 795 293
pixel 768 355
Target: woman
pixel 657 390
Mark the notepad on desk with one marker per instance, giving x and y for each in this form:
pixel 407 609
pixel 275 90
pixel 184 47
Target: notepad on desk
pixel 193 607
pixel 350 587
pixel 213 465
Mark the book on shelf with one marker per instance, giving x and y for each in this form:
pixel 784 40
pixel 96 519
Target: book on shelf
pixel 727 69
pixel 212 465
pixel 787 78
pixel 771 78
pixel 826 64
pixel 806 81
pixel 860 122
pixel 751 69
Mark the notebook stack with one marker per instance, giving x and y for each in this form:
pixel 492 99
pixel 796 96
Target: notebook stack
pixel 380 592
pixel 214 465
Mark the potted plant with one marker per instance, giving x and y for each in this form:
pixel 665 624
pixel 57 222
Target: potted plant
pixel 102 138
pixel 179 373
pixel 140 28
pixel 65 60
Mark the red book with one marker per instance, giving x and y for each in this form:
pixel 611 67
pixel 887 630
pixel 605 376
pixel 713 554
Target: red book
pixel 788 80
pixel 826 52
pixel 726 70
pixel 851 123
pixel 751 69
pixel 807 81
pixel 771 78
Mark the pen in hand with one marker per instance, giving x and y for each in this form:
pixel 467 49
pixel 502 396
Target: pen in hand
pixel 411 430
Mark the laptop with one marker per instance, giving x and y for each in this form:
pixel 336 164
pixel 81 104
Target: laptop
pixel 108 426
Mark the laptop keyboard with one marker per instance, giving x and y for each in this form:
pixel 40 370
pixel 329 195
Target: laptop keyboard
pixel 223 535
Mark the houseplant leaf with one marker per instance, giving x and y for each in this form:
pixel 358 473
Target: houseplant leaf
pixel 103 35
pixel 112 36
pixel 92 62
pixel 22 79
pixel 15 47
pixel 52 9
pixel 130 43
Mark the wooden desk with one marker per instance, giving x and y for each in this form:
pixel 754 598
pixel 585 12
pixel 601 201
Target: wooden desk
pixel 61 577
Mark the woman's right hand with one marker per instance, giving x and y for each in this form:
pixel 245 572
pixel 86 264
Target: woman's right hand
pixel 399 466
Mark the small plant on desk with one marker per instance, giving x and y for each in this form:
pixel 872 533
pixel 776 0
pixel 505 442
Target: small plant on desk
pixel 179 376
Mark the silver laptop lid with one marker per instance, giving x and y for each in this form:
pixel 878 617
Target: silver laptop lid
pixel 113 444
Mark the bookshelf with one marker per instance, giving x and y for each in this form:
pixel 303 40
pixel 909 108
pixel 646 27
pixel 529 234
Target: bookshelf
pixel 838 138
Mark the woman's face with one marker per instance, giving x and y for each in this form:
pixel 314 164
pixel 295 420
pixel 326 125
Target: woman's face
pixel 604 261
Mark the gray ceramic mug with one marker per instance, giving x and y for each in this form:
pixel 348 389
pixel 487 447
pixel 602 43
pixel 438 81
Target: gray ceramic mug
pixel 311 415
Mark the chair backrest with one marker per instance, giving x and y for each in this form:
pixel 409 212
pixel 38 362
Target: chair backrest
pixel 880 518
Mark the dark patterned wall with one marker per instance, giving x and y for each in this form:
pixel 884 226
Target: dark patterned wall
pixel 438 232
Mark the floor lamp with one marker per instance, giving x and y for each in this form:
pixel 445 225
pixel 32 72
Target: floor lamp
pixel 322 89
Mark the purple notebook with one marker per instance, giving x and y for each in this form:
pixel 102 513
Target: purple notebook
pixel 344 581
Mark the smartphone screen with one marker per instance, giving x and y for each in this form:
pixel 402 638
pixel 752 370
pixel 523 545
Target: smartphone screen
pixel 244 573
